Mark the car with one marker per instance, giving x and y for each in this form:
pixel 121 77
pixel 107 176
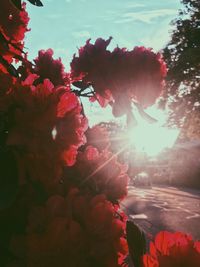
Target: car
pixel 142 179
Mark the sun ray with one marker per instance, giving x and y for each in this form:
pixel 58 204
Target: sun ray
pixel 103 165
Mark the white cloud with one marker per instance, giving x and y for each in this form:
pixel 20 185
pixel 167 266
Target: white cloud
pixel 134 5
pixel 158 38
pixel 81 34
pixel 53 16
pixel 146 16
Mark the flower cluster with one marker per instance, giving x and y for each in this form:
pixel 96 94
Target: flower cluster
pixel 60 196
pixel 98 137
pixel 173 250
pixel 76 230
pixel 121 75
pixel 13 25
pixel 99 173
pixel 49 68
pixel 58 222
pixel 44 119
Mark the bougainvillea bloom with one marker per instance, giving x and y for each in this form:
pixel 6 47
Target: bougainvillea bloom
pixel 100 173
pixel 48 68
pixel 98 137
pixel 173 250
pixel 121 74
pixel 77 230
pixel 13 25
pixel 37 111
pixel 62 203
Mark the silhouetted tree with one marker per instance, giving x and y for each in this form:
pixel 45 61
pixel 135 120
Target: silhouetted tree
pixel 182 55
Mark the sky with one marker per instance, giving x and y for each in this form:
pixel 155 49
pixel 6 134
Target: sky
pixel 65 25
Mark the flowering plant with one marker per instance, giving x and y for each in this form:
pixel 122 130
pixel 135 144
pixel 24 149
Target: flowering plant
pixel 60 186
pixel 173 250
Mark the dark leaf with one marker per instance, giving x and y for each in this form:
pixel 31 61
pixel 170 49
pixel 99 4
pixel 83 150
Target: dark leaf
pixel 36 2
pixel 81 85
pixel 17 4
pixel 8 178
pixel 136 243
pixel 9 67
pixel 16 47
pixel 3 40
pixel 18 57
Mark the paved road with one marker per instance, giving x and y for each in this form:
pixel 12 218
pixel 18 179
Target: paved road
pixel 164 208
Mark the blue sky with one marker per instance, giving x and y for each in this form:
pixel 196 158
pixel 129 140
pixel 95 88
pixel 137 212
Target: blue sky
pixel 65 25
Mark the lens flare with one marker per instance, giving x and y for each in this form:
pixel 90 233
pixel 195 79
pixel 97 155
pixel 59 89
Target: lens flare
pixel 152 138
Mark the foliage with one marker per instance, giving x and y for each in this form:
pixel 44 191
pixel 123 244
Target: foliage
pixel 18 3
pixel 182 55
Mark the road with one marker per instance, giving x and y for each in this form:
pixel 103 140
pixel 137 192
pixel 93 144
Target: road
pixel 164 208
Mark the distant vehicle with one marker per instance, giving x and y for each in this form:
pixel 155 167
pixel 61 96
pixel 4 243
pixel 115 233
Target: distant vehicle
pixel 142 179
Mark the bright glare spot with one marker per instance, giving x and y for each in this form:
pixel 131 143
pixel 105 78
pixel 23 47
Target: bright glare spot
pixel 139 216
pixel 152 138
pixel 54 133
pixel 142 174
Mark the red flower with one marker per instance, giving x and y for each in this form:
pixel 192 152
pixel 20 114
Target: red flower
pixel 99 173
pixel 13 25
pixel 121 74
pixel 45 119
pixel 98 137
pixel 92 64
pixel 173 250
pixel 77 230
pixel 48 68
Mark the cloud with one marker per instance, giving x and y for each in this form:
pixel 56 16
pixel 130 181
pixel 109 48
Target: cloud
pixel 146 16
pixel 81 34
pixel 157 38
pixel 134 5
pixel 53 16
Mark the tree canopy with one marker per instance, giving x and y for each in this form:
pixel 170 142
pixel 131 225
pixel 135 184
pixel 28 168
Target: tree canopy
pixel 182 55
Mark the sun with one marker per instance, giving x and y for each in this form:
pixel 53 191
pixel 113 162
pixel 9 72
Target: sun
pixel 152 138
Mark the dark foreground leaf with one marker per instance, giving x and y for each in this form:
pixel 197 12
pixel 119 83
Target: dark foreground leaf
pixel 136 243
pixel 36 2
pixel 9 67
pixel 17 4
